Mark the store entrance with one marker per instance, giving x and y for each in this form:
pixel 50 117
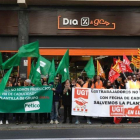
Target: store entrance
pixel 77 64
pixel 78 58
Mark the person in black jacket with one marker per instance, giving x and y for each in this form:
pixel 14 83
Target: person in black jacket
pixel 57 90
pixel 19 116
pixel 67 99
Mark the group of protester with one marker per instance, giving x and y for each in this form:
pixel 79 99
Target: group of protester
pixel 63 92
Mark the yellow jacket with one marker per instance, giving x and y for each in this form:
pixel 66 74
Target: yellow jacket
pixel 134 85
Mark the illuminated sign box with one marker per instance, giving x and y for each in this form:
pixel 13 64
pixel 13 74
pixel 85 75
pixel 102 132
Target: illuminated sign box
pixel 85 23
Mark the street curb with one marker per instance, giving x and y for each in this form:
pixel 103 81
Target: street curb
pixel 64 126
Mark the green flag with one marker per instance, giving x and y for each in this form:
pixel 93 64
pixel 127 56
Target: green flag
pixel 13 61
pixel 32 70
pixel 36 78
pixel 4 80
pixel 63 67
pixel 89 68
pixel 44 65
pixel 65 75
pixel 51 72
pixel 29 50
pixel 1 59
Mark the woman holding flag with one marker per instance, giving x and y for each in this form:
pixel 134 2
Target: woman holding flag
pixel 67 99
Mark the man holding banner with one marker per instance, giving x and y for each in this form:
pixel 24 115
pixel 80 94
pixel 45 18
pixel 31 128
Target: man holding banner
pixel 133 84
pixel 28 83
pixel 57 91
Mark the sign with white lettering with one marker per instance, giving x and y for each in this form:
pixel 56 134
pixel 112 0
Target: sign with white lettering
pixel 26 100
pixel 85 23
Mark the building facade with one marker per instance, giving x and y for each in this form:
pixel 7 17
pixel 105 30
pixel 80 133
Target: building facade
pixel 87 28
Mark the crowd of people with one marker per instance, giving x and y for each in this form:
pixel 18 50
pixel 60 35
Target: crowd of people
pixel 62 96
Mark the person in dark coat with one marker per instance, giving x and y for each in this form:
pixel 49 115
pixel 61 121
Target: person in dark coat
pixel 19 116
pixel 57 90
pixel 67 99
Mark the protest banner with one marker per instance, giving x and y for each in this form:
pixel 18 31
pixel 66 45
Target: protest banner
pixel 105 102
pixel 26 100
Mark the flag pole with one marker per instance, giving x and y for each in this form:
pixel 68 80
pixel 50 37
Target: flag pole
pixel 123 70
pixel 1 73
pixel 124 75
pixel 81 72
pixel 134 69
pixel 97 67
pixel 133 64
pixel 17 75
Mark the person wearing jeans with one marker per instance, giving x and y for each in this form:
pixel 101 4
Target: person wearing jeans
pixel 54 113
pixel 57 91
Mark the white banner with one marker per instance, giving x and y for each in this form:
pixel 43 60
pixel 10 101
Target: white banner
pixel 105 102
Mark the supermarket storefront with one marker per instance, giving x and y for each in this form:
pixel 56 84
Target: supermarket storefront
pixel 85 31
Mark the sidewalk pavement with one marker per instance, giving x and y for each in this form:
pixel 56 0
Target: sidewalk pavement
pixel 96 123
pixel 66 126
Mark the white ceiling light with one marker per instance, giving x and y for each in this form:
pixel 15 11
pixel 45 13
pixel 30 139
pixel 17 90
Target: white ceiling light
pixel 100 57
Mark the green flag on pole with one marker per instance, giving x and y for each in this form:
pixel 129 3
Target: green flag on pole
pixel 29 50
pixel 36 78
pixel 32 70
pixel 13 61
pixel 51 72
pixel 89 68
pixel 4 80
pixel 63 67
pixel 44 65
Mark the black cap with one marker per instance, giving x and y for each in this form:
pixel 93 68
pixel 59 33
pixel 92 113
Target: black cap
pixel 80 77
